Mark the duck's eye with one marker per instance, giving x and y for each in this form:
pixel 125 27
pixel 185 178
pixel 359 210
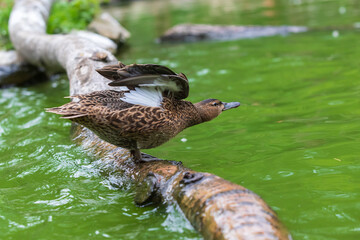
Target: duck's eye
pixel 215 104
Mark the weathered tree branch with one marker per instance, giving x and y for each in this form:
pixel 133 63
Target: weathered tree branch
pixel 217 208
pixel 14 70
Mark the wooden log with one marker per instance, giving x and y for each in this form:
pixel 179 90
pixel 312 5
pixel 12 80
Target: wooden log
pixel 215 207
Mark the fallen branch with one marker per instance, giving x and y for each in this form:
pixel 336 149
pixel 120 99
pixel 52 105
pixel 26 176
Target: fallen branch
pixel 217 208
pixel 14 70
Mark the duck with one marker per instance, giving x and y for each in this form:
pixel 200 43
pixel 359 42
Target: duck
pixel 148 112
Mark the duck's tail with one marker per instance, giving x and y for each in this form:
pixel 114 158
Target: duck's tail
pixel 70 110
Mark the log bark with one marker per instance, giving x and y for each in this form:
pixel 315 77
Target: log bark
pixel 215 207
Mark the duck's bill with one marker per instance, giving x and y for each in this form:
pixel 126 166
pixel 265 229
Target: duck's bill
pixel 230 105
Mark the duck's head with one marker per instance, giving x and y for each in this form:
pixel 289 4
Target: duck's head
pixel 211 108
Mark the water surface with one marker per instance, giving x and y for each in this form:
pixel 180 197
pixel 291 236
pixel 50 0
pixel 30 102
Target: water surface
pixel 294 141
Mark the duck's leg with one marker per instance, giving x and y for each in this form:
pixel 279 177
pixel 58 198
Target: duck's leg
pixel 136 154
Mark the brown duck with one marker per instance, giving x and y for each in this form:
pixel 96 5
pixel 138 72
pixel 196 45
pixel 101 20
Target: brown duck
pixel 148 114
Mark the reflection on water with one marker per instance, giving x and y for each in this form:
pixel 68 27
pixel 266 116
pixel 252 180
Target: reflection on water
pixel 294 140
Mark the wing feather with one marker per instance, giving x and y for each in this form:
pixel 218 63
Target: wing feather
pixel 151 97
pixel 141 76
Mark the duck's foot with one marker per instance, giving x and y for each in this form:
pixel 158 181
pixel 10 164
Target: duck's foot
pixel 178 163
pixel 139 157
pixel 147 158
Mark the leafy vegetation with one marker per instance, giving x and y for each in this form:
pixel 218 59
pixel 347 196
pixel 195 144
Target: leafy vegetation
pixel 65 16
pixel 76 14
pixel 5 10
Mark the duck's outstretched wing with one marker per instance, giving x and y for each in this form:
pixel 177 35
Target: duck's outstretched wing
pixel 121 71
pixel 154 76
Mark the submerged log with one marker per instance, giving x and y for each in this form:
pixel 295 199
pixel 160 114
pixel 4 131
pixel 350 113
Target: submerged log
pixel 215 207
pixel 204 32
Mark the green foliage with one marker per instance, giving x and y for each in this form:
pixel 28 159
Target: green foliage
pixel 5 10
pixel 65 16
pixel 68 15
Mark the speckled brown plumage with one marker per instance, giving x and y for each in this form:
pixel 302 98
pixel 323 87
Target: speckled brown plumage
pixel 135 126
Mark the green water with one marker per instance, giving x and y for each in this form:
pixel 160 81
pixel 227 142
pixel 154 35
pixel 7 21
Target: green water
pixel 294 141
